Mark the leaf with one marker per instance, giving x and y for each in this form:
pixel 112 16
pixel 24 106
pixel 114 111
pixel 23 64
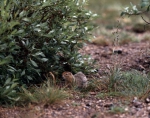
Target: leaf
pixel 44 59
pixel 20 31
pixel 6 91
pixel 23 13
pixel 15 1
pixel 12 69
pixel 13 23
pixel 23 73
pixel 30 78
pixel 34 63
pixel 40 53
pixel 5 60
pixel 13 85
pixel 45 4
pixel 26 19
pixel 145 3
pixel 7 81
pixel 9 89
pixel 37 29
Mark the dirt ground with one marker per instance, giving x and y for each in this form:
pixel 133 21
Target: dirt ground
pixel 127 56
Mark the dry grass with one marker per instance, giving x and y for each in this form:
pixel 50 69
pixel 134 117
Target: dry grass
pixel 45 94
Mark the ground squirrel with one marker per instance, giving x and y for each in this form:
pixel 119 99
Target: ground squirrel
pixel 78 79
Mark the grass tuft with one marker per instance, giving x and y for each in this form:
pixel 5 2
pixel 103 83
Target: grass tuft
pixel 117 110
pixel 131 83
pixel 121 84
pixel 108 94
pixel 46 94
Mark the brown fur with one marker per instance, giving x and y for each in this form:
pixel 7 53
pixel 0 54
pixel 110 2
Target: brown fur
pixel 79 79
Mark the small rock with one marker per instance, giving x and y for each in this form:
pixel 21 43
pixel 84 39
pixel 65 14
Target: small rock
pixel 108 105
pixel 147 100
pixel 67 105
pixel 92 93
pixel 132 111
pixel 135 99
pixel 99 101
pixel 37 108
pixel 97 107
pixel 83 105
pixel 88 104
pixel 136 103
pixel 77 97
pixel 84 109
pixel 126 109
pixel 148 108
pixel 117 50
pixel 69 113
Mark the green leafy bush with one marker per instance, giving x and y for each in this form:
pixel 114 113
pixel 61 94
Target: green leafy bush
pixel 137 9
pixel 39 36
pixel 8 94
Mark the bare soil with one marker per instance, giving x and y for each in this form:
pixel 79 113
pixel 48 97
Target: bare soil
pixel 128 56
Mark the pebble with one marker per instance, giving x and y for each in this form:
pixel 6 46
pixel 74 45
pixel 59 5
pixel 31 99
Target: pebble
pixel 37 108
pixel 89 104
pixel 69 113
pixel 97 107
pixel 67 105
pixel 83 105
pixel 137 103
pixel 148 108
pixel 108 105
pixel 92 93
pixel 117 50
pixel 126 109
pixel 99 101
pixel 132 111
pixel 147 100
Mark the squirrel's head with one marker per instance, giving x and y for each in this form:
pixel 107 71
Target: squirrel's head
pixel 68 76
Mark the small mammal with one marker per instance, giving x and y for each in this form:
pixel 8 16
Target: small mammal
pixel 78 79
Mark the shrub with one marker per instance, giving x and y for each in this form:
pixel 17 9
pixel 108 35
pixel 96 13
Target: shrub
pixel 40 36
pixel 137 10
pixel 8 93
